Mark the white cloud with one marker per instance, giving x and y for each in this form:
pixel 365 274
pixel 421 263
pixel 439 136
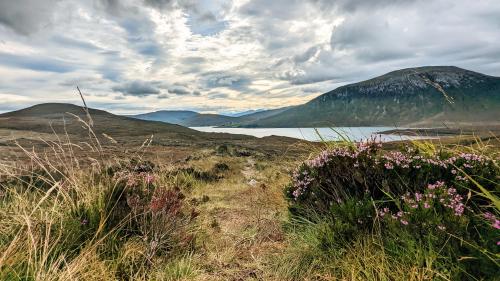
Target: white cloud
pixel 225 55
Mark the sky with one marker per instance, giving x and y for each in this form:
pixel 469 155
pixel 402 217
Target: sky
pixel 224 56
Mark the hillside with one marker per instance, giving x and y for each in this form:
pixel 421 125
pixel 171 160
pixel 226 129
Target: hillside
pixel 195 119
pixel 59 116
pixel 424 96
pixel 174 116
pixel 186 118
pixel 37 124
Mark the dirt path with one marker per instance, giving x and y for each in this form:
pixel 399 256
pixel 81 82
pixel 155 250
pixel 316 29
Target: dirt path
pixel 242 222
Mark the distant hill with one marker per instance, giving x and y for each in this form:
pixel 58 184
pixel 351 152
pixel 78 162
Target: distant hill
pixel 187 118
pixel 63 119
pixel 174 116
pixel 59 117
pixel 194 119
pixel 239 114
pixel 423 96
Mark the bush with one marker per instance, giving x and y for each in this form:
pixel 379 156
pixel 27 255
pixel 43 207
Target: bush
pixel 434 202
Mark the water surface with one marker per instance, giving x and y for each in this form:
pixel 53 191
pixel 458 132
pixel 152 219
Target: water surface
pixel 311 134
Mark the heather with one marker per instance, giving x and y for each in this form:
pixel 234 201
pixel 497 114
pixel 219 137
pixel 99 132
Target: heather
pixel 432 208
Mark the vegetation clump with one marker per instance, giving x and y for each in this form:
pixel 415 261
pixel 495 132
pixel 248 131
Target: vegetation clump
pixel 435 210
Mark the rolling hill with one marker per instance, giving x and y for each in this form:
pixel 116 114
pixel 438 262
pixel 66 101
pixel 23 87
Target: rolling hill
pixel 42 124
pixel 195 119
pixel 62 119
pixel 60 116
pixel 423 96
pixel 186 118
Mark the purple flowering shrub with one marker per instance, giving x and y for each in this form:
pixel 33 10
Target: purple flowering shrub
pixel 365 169
pixel 413 198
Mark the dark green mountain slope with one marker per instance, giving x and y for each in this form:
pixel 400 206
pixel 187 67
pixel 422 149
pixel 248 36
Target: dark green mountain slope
pixel 424 96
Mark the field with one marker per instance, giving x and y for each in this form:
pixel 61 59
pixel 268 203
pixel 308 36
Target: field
pixel 99 206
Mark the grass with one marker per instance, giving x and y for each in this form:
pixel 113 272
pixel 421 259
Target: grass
pixel 219 214
pixel 111 218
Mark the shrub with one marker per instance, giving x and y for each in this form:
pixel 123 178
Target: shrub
pixel 434 202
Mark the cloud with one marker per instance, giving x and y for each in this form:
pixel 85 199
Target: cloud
pixel 137 88
pixel 26 16
pixel 68 42
pixel 37 63
pixel 242 53
pixel 225 79
pixel 181 90
pixel 205 18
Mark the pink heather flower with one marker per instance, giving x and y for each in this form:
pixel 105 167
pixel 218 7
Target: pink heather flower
pixel 489 216
pixel 404 222
pixel 426 205
pixel 388 166
pixel 438 184
pixel 454 171
pixel 418 197
pixel 399 214
pixel 414 206
pixel 149 178
pixel 496 224
pixel 498 243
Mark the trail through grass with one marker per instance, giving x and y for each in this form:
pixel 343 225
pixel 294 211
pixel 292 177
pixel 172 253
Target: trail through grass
pixel 241 222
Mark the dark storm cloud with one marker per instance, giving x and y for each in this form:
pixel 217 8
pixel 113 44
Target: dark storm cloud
pixel 36 62
pixel 137 88
pixel 26 16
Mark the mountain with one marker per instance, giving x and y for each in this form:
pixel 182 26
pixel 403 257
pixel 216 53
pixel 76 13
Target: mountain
pixel 195 119
pixel 423 96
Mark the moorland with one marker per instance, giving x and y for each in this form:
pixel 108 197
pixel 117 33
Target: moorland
pixel 88 195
